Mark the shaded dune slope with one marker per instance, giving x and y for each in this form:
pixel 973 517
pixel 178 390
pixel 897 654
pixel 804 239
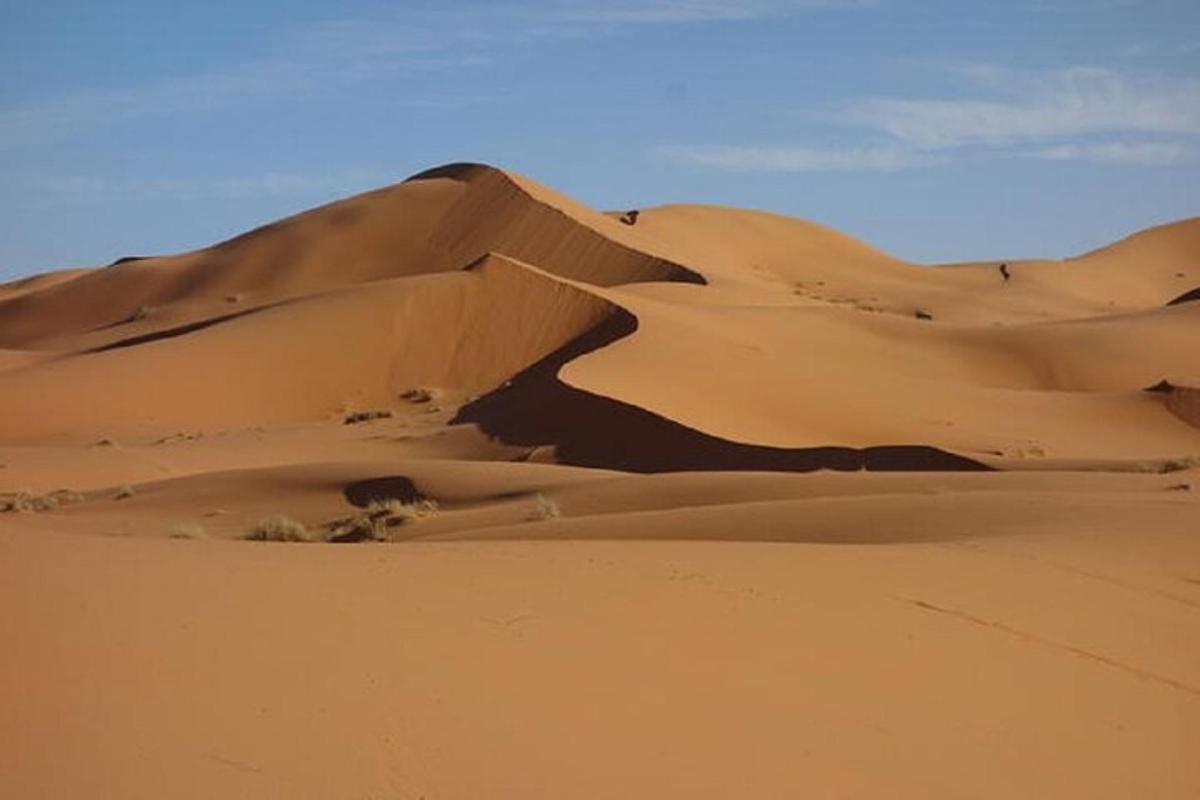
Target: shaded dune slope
pixel 700 338
pixel 307 358
pixel 537 409
pixel 437 221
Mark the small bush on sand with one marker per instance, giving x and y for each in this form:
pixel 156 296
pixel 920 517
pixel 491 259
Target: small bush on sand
pixel 544 508
pixel 372 525
pixel 26 501
pixel 187 530
pixel 407 512
pixel 67 496
pixel 141 312
pixel 355 417
pixel 19 501
pixel 1168 465
pixel 1181 464
pixel 278 528
pixel 412 512
pixel 419 395
pixel 124 492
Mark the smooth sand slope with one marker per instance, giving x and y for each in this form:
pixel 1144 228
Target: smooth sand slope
pixel 715 504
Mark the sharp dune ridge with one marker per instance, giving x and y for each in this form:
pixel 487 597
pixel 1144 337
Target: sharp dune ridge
pixel 700 501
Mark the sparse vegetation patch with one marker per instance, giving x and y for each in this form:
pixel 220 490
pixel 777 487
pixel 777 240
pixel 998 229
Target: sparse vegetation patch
pixel 355 417
pixel 544 508
pixel 419 395
pixel 381 513
pixel 26 501
pixel 278 528
pixel 187 530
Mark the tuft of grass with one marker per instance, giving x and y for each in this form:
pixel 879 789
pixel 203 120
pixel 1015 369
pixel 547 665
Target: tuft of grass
pixel 363 528
pixel 66 497
pixel 278 528
pixel 355 417
pixel 1168 465
pixel 124 492
pixel 411 512
pixel 1181 464
pixel 544 508
pixel 141 312
pixel 24 501
pixel 372 525
pixel 187 530
pixel 419 395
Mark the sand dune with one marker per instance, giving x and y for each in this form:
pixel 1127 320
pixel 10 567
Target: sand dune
pixel 712 503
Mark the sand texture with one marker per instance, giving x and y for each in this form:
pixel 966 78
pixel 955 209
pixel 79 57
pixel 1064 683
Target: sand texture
pixel 716 504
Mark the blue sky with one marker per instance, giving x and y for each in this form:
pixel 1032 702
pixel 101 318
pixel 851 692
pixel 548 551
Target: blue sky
pixel 934 129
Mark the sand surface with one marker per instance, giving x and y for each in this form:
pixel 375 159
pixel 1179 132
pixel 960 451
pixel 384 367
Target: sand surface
pixel 716 504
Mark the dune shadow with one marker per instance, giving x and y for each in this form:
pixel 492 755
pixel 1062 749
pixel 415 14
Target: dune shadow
pixel 535 409
pixel 167 333
pixel 128 259
pixel 392 487
pixel 1187 297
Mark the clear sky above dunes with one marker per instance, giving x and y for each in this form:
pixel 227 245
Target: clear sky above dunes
pixel 937 130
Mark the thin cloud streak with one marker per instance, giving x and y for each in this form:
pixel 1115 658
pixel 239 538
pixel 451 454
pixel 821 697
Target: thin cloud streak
pixel 682 11
pixel 338 53
pixel 1074 114
pixel 1073 102
pixel 1147 154
pixel 799 159
pixel 84 190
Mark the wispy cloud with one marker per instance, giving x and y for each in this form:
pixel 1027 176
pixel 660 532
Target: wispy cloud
pixel 1136 153
pixel 799 159
pixel 408 41
pixel 678 11
pixel 1038 106
pixel 1078 113
pixel 83 189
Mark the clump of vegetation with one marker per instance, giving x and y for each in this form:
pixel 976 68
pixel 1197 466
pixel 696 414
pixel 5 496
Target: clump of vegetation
pixel 1169 465
pixel 141 312
pixel 124 492
pixel 544 508
pixel 1180 464
pixel 419 395
pixel 372 525
pixel 26 501
pixel 278 528
pixel 187 530
pixel 923 315
pixel 1179 487
pixel 355 417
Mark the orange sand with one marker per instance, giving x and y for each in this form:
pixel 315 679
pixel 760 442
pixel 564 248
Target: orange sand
pixel 729 505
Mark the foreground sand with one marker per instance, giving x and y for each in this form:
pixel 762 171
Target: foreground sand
pixel 728 505
pixel 1044 665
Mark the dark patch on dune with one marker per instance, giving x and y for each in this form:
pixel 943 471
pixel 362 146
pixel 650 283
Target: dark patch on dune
pixel 395 487
pixel 1162 387
pixel 1187 297
pixel 535 408
pixel 168 333
pixel 128 259
pixel 458 171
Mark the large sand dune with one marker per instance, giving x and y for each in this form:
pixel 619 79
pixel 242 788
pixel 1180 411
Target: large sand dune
pixel 727 504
